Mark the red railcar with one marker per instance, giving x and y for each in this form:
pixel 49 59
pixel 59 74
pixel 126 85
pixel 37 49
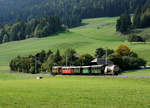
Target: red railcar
pixel 67 70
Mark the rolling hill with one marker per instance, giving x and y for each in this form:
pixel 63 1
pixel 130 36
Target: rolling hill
pixel 94 33
pixel 20 90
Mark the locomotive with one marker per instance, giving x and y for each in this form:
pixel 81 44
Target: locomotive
pixel 86 70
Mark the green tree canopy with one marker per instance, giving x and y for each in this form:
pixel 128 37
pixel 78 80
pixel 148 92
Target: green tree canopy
pixel 124 23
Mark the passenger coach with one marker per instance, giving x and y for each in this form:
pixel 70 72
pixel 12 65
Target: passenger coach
pixel 85 70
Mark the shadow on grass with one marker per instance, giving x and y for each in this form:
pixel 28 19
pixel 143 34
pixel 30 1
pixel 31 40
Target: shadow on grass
pixel 83 24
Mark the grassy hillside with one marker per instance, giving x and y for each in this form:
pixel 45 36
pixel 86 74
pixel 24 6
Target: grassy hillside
pixel 84 39
pixel 20 90
pixel 97 32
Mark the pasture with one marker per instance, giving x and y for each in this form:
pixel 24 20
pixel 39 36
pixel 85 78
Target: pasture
pixel 94 33
pixel 20 90
pixel 75 92
pixel 145 72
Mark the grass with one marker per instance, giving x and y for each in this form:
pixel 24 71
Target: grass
pixel 6 74
pixel 20 90
pixel 95 33
pixel 98 32
pixel 75 92
pixel 137 73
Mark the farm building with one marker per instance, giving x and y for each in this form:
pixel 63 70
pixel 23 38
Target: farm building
pixel 101 61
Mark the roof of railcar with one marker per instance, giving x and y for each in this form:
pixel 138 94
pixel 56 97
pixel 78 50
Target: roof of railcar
pixel 96 66
pixel 86 66
pixel 76 67
pixel 54 67
pixel 71 67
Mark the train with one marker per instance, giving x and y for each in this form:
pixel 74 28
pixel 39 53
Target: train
pixel 86 70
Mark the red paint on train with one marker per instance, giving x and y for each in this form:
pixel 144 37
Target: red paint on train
pixel 67 71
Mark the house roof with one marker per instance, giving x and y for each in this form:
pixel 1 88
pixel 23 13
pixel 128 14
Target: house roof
pixel 101 61
pixel 77 55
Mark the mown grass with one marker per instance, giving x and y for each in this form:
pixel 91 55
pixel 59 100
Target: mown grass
pixel 99 32
pixel 20 90
pixel 6 74
pixel 95 33
pixel 75 92
pixel 145 72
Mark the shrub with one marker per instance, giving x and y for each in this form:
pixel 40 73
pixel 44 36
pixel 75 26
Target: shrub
pixel 133 54
pixel 135 38
pixel 123 50
pixel 126 59
pixel 146 37
pixel 132 63
pixel 100 52
pixel 85 60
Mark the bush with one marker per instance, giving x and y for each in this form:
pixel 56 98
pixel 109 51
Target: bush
pixel 100 52
pixel 135 38
pixel 146 37
pixel 123 50
pixel 116 59
pixel 133 54
pixel 126 59
pixel 85 60
pixel 127 62
pixel 132 63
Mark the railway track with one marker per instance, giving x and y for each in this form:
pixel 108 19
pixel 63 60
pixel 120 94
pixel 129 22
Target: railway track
pixel 119 76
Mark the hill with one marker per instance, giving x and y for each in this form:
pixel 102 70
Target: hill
pixel 84 39
pixel 23 90
pixel 94 33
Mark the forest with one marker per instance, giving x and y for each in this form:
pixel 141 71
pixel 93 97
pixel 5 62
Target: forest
pixel 142 16
pixel 70 11
pixel 26 19
pixel 39 27
pixel 141 19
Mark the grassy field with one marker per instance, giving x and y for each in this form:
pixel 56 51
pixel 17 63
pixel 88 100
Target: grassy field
pixel 84 39
pixel 95 33
pixel 137 73
pixel 75 92
pixel 20 90
pixel 6 74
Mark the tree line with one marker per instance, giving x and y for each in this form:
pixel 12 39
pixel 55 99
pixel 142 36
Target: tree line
pixel 43 61
pixel 141 19
pixel 142 16
pixel 39 27
pixel 70 11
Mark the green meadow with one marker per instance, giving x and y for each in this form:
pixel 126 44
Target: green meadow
pixel 145 72
pixel 75 92
pixel 20 90
pixel 94 33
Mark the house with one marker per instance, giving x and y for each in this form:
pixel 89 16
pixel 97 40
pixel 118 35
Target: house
pixel 101 61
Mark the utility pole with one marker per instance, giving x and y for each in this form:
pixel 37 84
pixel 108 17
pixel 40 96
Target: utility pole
pixel 35 65
pixel 66 60
pixel 106 61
